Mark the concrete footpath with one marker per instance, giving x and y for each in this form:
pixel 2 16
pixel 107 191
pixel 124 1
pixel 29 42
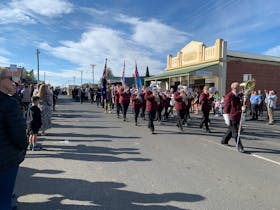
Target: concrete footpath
pixel 94 161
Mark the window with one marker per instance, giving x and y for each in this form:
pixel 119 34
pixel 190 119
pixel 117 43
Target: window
pixel 247 77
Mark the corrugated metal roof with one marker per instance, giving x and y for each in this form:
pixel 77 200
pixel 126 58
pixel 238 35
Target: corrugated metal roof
pixel 253 56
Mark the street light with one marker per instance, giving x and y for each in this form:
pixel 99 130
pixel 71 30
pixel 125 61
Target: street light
pixel 93 65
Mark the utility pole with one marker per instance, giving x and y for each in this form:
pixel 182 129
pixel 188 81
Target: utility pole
pixel 81 77
pixel 38 65
pixel 74 80
pixel 93 65
pixel 45 77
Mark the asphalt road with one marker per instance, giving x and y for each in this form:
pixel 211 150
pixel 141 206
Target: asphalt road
pixel 94 161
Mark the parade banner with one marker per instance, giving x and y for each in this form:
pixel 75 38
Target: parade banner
pixel 104 79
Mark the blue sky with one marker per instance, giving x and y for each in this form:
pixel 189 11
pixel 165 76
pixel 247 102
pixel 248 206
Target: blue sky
pixel 73 34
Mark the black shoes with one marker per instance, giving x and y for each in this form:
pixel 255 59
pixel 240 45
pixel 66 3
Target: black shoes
pixel 240 148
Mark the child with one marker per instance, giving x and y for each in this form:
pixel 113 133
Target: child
pixel 34 122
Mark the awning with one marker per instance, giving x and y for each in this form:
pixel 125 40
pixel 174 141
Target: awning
pixel 183 71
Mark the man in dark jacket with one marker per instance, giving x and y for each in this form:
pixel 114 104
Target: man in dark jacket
pixel 232 115
pixel 13 141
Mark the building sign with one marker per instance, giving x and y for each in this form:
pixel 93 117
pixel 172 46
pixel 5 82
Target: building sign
pixel 13 67
pixel 203 73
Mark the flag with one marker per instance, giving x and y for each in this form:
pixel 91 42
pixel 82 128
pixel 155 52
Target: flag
pixel 138 82
pixel 104 79
pixel 123 77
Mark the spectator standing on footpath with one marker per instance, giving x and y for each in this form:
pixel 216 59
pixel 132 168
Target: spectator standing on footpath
pixel 25 97
pixel 13 142
pixel 255 101
pixel 271 100
pixel 45 105
pixel 34 122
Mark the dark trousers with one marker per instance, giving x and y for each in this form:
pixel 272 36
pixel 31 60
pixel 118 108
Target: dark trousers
pixel 124 109
pixel 91 98
pixel 136 114
pixel 143 109
pixel 159 111
pixel 255 111
pixel 205 119
pixel 119 108
pixel 98 99
pixel 180 117
pixel 166 113
pixel 232 132
pixel 7 183
pixel 151 115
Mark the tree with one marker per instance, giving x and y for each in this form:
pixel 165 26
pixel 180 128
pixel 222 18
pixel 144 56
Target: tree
pixel 110 74
pixel 147 83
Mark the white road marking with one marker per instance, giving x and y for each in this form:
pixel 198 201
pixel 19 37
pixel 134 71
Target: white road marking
pixel 266 159
pixel 234 149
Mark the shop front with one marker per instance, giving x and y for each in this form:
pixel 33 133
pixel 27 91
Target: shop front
pixel 195 66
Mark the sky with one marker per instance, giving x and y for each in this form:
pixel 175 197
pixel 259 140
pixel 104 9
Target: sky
pixel 71 35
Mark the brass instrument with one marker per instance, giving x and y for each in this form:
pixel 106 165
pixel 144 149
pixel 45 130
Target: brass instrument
pixel 248 86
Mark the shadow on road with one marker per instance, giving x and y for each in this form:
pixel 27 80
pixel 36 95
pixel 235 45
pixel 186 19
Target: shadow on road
pixel 56 125
pixel 88 153
pixel 79 135
pixel 73 194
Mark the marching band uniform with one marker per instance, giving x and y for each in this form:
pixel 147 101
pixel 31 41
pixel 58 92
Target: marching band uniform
pixel 117 102
pixel 124 101
pixel 160 106
pixel 166 105
pixel 136 105
pixel 232 107
pixel 143 108
pixel 206 102
pixel 151 108
pixel 179 109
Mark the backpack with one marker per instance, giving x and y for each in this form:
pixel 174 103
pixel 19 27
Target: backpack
pixel 29 117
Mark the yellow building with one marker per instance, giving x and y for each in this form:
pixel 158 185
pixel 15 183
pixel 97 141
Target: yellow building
pixel 196 65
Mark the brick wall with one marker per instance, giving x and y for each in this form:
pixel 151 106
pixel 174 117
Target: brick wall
pixel 266 75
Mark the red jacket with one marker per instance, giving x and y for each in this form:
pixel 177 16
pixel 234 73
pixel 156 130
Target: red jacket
pixel 178 101
pixel 117 96
pixel 124 97
pixel 233 106
pixel 205 102
pixel 136 103
pixel 151 104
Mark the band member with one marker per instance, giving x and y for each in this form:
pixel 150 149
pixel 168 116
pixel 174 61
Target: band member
pixel 124 101
pixel 166 104
pixel 151 108
pixel 117 101
pixel 232 115
pixel 143 108
pixel 136 104
pixel 179 107
pixel 205 101
pixel 188 103
pixel 159 98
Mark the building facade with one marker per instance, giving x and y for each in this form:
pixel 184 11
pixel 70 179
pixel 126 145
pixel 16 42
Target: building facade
pixel 196 65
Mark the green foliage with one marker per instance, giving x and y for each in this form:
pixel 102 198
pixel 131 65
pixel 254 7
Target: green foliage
pixel 147 83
